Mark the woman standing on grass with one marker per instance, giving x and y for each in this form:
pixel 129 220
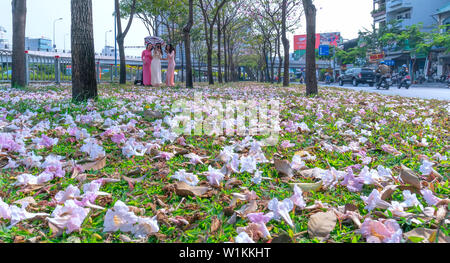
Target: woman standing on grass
pixel 147 60
pixel 156 66
pixel 170 75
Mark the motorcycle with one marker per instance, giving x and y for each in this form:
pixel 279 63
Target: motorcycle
pixel 384 83
pixel 405 82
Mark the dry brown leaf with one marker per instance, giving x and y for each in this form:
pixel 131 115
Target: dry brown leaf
pixel 428 235
pixel 153 114
pixel 95 165
pixel 215 224
pixel 134 180
pixel 233 182
pixel 283 167
pixel 388 191
pixel 321 224
pixel 408 176
pixel 19 239
pixel 183 189
pixel 30 200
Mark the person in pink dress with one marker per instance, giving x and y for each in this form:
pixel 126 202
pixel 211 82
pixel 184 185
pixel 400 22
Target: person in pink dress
pixel 170 75
pixel 146 71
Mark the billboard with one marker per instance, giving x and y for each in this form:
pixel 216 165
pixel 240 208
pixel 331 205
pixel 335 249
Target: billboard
pixel 331 39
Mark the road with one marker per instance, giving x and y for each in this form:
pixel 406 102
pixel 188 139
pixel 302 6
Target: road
pixel 439 92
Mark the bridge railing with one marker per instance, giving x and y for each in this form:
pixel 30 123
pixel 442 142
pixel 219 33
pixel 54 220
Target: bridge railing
pixel 56 69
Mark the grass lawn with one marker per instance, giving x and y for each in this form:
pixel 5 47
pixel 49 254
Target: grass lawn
pixel 115 139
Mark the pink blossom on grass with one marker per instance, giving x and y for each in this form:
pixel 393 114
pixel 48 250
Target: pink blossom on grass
pixel 214 176
pixel 261 220
pixel 386 231
pixel 69 216
pixel 118 138
pixel 429 197
pixel 281 210
pixel 119 218
pixel 374 201
pixel 297 198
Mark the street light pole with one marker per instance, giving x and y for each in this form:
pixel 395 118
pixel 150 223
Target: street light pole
pixel 54 41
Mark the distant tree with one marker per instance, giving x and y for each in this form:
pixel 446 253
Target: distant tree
pixel 311 79
pixel 187 45
pixel 284 10
pixel 210 11
pixel 19 16
pixel 121 37
pixel 84 82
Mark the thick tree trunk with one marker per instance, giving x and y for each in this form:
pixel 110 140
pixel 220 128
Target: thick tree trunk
pixel 285 45
pixel 311 80
pixel 19 17
pixel 219 62
pixel 187 45
pixel 84 81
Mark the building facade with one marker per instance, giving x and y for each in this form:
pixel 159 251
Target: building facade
pixel 4 44
pixel 38 44
pixel 410 12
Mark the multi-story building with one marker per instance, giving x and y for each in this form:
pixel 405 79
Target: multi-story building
pixel 410 12
pixel 4 44
pixel 442 16
pixel 38 44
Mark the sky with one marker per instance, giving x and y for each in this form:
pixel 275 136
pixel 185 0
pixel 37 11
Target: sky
pixel 345 16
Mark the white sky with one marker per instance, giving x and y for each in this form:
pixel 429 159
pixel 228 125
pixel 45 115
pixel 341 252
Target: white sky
pixel 345 16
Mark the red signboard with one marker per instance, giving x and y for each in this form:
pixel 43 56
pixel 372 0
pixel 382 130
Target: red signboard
pixel 331 39
pixel 376 56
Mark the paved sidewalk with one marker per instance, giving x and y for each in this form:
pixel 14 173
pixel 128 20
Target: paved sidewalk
pixel 437 91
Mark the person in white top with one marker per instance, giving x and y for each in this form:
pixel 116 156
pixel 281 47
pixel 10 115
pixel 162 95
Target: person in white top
pixel 156 66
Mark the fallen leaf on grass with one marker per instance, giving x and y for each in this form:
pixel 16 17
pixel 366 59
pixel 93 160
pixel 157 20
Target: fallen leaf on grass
pixel 388 191
pixel 183 189
pixel 308 187
pixel 29 200
pixel 425 235
pixel 134 180
pixel 215 224
pixel 283 167
pixel 94 166
pixel 282 238
pixel 408 176
pixel 233 182
pixel 321 224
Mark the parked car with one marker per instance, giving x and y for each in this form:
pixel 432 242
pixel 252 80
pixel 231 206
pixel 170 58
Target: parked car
pixel 358 76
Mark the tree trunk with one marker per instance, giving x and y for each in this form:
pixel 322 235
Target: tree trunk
pixel 209 53
pixel 280 59
pixel 84 81
pixel 311 80
pixel 121 39
pixel 219 70
pixel 225 57
pixel 19 17
pixel 187 45
pixel 285 45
